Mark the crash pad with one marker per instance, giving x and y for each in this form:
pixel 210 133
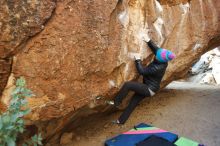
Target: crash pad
pixel 182 141
pixel 138 134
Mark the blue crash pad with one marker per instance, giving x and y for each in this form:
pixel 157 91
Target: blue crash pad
pixel 139 133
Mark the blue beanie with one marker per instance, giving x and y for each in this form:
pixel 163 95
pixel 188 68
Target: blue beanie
pixel 164 55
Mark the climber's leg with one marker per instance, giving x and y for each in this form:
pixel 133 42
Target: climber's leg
pixel 138 88
pixel 131 106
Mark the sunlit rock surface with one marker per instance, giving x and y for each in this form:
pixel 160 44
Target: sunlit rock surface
pixel 207 69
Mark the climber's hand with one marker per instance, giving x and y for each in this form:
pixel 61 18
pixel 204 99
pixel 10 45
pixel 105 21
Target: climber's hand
pixel 137 60
pixel 137 56
pixel 146 37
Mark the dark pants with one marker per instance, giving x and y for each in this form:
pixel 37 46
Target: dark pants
pixel 141 91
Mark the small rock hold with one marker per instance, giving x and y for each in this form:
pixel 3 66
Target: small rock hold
pixel 66 138
pixel 25 23
pixel 78 138
pixel 106 125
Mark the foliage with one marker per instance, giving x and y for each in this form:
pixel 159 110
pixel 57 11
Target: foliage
pixel 11 121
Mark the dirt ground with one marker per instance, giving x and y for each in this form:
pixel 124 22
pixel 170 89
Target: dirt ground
pixel 189 110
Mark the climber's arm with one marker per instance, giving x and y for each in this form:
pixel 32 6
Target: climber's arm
pixel 150 43
pixel 150 69
pixel 152 46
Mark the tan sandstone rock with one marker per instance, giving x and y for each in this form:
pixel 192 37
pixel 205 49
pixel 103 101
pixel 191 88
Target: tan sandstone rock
pixel 19 20
pixel 87 47
pixel 66 138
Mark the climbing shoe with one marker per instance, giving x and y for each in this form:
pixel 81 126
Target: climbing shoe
pixel 116 122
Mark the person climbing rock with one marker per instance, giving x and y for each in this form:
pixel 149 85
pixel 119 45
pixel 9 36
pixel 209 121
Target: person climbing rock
pixel 152 76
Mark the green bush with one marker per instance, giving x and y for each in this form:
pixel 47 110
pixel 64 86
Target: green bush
pixel 11 121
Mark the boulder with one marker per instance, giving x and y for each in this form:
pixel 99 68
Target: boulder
pixel 216 69
pixel 86 48
pixel 207 69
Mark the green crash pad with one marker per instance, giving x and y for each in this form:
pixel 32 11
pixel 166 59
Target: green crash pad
pixel 182 141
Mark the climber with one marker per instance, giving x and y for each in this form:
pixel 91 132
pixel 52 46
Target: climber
pixel 152 76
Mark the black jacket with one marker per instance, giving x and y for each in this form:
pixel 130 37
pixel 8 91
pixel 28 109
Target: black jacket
pixel 154 72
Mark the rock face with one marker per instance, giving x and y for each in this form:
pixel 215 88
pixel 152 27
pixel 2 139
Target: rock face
pixel 19 20
pixel 86 49
pixel 207 69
